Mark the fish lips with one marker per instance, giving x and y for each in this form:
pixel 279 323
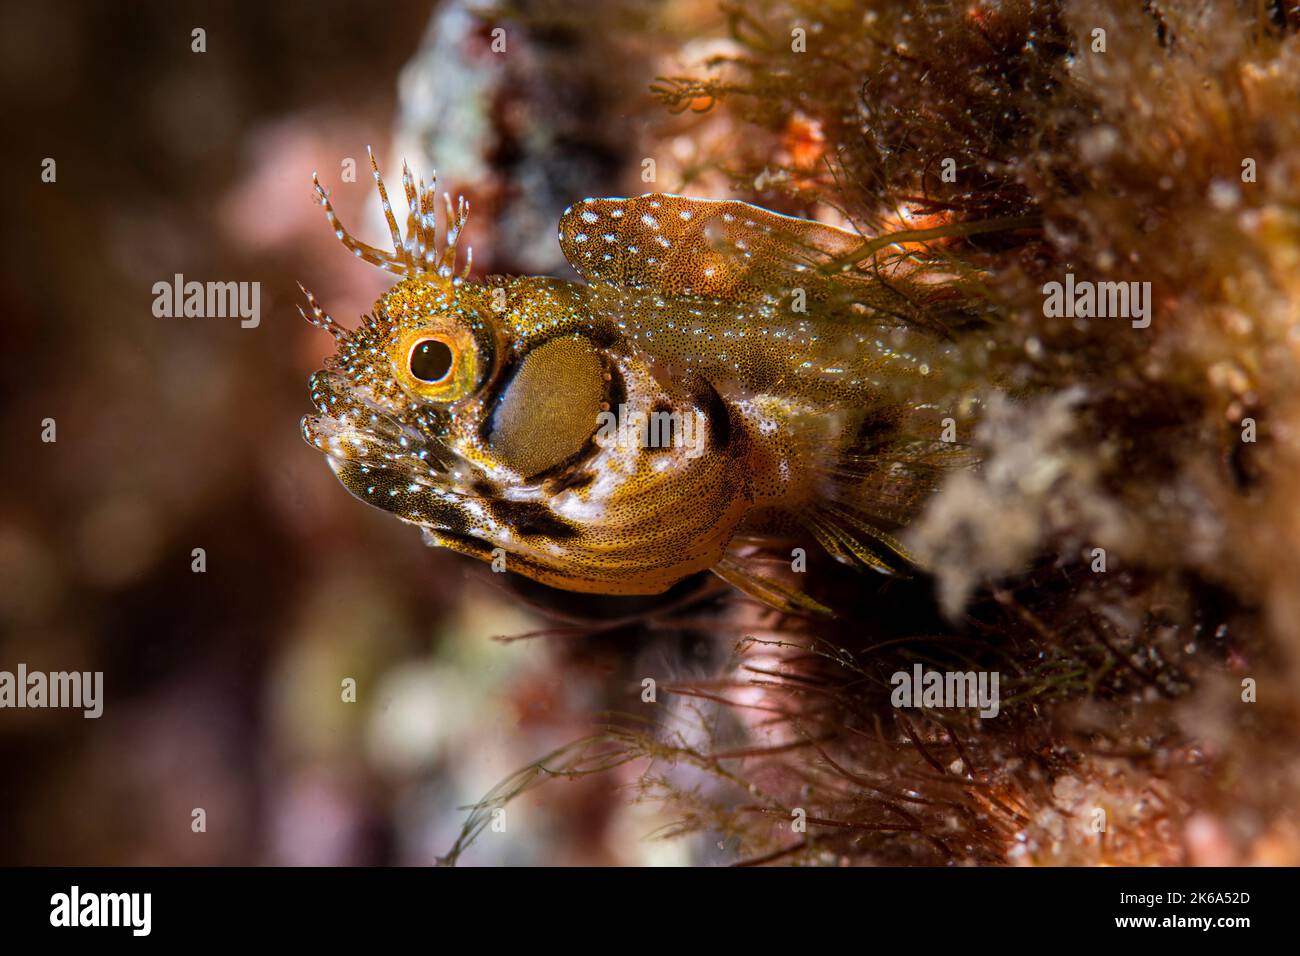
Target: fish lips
pixel 381 459
pixel 355 424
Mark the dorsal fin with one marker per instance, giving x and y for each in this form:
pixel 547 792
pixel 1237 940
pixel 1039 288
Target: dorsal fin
pixel 723 249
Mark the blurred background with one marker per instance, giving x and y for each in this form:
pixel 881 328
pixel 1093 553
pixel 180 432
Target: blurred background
pixel 147 141
pixel 222 688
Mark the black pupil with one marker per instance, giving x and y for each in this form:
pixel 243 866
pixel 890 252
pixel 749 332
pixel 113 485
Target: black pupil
pixel 431 361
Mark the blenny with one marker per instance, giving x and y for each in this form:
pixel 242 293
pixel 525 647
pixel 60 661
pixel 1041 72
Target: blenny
pixel 478 411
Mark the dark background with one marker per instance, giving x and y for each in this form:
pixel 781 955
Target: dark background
pixel 222 688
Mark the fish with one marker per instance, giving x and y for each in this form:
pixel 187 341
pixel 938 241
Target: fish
pixel 726 390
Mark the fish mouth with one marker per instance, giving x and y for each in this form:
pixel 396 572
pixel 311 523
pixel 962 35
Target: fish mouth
pixel 384 459
pixel 355 424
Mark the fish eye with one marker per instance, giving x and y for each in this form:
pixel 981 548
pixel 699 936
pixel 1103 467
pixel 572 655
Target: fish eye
pixel 441 364
pixel 430 360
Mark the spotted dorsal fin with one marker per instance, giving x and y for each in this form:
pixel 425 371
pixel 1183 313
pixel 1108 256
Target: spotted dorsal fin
pixel 722 249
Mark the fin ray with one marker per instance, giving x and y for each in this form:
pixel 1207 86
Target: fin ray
pixel 732 569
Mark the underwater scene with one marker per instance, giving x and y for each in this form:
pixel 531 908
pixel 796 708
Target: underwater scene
pixel 651 433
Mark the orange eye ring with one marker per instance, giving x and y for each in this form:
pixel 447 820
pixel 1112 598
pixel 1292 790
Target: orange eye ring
pixel 440 365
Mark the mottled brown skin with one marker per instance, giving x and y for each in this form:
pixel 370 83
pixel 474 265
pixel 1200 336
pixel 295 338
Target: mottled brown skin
pixel 729 317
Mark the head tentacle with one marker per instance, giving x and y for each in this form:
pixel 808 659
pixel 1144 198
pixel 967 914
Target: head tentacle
pixel 400 247
pixel 358 248
pixel 418 252
pixel 319 317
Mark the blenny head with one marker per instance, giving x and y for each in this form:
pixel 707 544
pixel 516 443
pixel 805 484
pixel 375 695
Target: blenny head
pixel 387 398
